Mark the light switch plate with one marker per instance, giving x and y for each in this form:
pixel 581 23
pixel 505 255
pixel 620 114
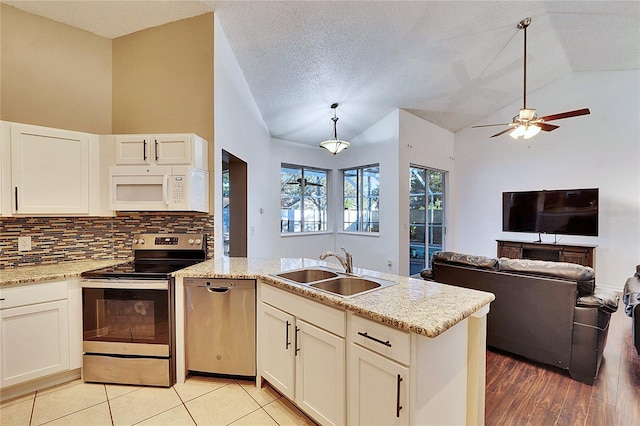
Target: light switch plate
pixel 24 243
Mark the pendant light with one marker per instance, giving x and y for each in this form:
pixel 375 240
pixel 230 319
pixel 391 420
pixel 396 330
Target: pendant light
pixel 334 145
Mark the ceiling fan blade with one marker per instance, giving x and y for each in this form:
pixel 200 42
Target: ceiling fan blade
pixel 546 126
pixel 583 111
pixel 501 133
pixel 490 125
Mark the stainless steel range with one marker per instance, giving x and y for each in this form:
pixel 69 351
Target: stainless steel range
pixel 129 312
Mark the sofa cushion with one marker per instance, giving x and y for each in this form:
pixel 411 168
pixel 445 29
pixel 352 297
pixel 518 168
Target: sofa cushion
pixel 605 300
pixel 466 259
pixel 583 275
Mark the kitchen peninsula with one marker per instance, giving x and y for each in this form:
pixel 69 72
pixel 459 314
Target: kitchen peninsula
pixel 408 353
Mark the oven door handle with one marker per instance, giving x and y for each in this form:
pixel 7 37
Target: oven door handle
pixel 126 284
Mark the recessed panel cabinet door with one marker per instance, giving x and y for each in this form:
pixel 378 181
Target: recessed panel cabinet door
pixel 277 349
pixel 378 389
pixel 320 373
pixel 49 171
pixel 34 341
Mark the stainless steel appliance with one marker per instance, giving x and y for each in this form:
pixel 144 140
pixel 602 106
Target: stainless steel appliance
pixel 220 335
pixel 129 312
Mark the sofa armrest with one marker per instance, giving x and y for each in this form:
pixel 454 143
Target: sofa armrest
pixel 604 300
pixel 427 274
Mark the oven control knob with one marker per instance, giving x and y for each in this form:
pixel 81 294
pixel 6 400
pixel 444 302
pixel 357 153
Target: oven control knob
pixel 198 241
pixel 190 241
pixel 141 241
pixel 135 241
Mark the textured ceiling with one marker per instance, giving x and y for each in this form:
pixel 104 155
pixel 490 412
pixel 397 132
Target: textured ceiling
pixel 450 62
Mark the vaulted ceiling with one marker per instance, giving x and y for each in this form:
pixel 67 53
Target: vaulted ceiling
pixel 449 62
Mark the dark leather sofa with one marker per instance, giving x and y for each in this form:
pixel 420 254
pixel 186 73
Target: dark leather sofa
pixel 549 312
pixel 631 299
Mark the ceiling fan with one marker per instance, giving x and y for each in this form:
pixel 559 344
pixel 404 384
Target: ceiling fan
pixel 527 124
pixel 300 181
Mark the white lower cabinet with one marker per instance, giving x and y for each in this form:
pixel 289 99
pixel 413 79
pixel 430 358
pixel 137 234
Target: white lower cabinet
pixel 302 353
pixel 34 326
pixel 378 389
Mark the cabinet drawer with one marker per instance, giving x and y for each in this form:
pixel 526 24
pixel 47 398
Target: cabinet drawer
pixel 33 293
pixel 380 338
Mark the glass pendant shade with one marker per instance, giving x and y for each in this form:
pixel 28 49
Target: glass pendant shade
pixel 334 145
pixel 525 131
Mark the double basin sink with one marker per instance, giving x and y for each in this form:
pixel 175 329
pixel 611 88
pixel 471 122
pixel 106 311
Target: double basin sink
pixel 338 283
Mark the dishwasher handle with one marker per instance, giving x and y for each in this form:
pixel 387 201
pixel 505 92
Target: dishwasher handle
pixel 221 290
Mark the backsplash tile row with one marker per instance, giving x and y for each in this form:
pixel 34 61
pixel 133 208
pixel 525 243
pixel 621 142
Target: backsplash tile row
pixel 58 239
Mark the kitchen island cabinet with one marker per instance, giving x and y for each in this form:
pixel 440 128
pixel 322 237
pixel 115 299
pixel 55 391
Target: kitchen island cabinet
pixel 440 356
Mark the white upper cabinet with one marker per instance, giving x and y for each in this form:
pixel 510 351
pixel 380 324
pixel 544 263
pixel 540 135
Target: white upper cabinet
pixel 166 149
pixel 48 171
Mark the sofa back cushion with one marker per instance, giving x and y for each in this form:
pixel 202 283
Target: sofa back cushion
pixel 583 275
pixel 466 259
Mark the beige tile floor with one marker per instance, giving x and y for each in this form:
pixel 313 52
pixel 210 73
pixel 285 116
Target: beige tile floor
pixel 199 401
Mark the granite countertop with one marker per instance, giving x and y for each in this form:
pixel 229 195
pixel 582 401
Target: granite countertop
pixel 54 271
pixel 423 307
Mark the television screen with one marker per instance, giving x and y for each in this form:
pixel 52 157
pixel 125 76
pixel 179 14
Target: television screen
pixel 565 211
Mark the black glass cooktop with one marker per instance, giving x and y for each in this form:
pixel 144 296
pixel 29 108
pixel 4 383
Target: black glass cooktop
pixel 140 269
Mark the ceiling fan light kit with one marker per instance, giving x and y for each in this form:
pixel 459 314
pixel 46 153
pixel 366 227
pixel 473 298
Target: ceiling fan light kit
pixel 527 124
pixel 334 145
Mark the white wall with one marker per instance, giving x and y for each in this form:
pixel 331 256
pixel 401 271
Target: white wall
pixel 598 150
pixel 240 130
pixel 422 144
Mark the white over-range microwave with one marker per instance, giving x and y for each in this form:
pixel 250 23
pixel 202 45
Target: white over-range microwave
pixel 158 188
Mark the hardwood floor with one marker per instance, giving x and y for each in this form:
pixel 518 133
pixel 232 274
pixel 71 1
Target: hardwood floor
pixel 521 392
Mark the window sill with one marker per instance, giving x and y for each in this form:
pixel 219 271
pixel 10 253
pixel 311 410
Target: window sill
pixel 305 234
pixel 360 234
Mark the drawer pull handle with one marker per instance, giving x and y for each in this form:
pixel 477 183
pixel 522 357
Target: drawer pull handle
pixel 374 339
pixel 398 406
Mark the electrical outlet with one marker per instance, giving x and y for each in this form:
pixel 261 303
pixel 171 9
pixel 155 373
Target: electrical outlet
pixel 24 243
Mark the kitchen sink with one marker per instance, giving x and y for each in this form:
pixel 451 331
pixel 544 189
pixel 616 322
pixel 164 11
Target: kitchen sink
pixel 334 282
pixel 351 286
pixel 307 275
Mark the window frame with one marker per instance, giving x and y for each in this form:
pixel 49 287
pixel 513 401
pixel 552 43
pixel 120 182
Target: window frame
pixel 365 223
pixel 303 197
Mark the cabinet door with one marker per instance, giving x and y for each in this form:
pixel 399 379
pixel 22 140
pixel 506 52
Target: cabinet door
pixel 320 373
pixel 49 170
pixel 173 149
pixel 579 257
pixel 34 341
pixel 510 251
pixel 133 149
pixel 276 347
pixel 378 389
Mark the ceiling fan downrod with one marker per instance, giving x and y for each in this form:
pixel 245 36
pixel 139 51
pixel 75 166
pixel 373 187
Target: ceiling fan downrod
pixel 522 25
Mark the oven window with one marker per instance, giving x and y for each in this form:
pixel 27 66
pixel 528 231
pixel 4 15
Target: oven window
pixel 131 316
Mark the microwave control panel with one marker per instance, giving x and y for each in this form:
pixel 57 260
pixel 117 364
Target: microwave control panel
pixel 178 190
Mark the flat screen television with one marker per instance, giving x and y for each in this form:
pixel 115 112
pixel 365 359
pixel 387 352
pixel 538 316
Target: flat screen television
pixel 562 211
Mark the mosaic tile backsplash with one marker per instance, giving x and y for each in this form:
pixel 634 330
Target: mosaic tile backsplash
pixel 59 239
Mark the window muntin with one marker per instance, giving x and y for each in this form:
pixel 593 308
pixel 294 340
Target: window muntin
pixel 303 199
pixel 361 195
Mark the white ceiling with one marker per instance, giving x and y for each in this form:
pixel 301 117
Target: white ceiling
pixel 450 62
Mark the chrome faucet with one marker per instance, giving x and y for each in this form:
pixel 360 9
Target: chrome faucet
pixel 346 261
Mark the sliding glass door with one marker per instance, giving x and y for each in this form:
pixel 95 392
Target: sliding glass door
pixel 426 216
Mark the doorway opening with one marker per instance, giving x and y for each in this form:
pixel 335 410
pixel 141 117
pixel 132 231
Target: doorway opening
pixel 234 205
pixel 426 216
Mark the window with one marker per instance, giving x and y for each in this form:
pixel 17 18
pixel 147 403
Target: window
pixel 303 199
pixel 361 189
pixel 426 216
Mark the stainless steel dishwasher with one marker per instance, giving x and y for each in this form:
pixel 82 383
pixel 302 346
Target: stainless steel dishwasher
pixel 220 335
